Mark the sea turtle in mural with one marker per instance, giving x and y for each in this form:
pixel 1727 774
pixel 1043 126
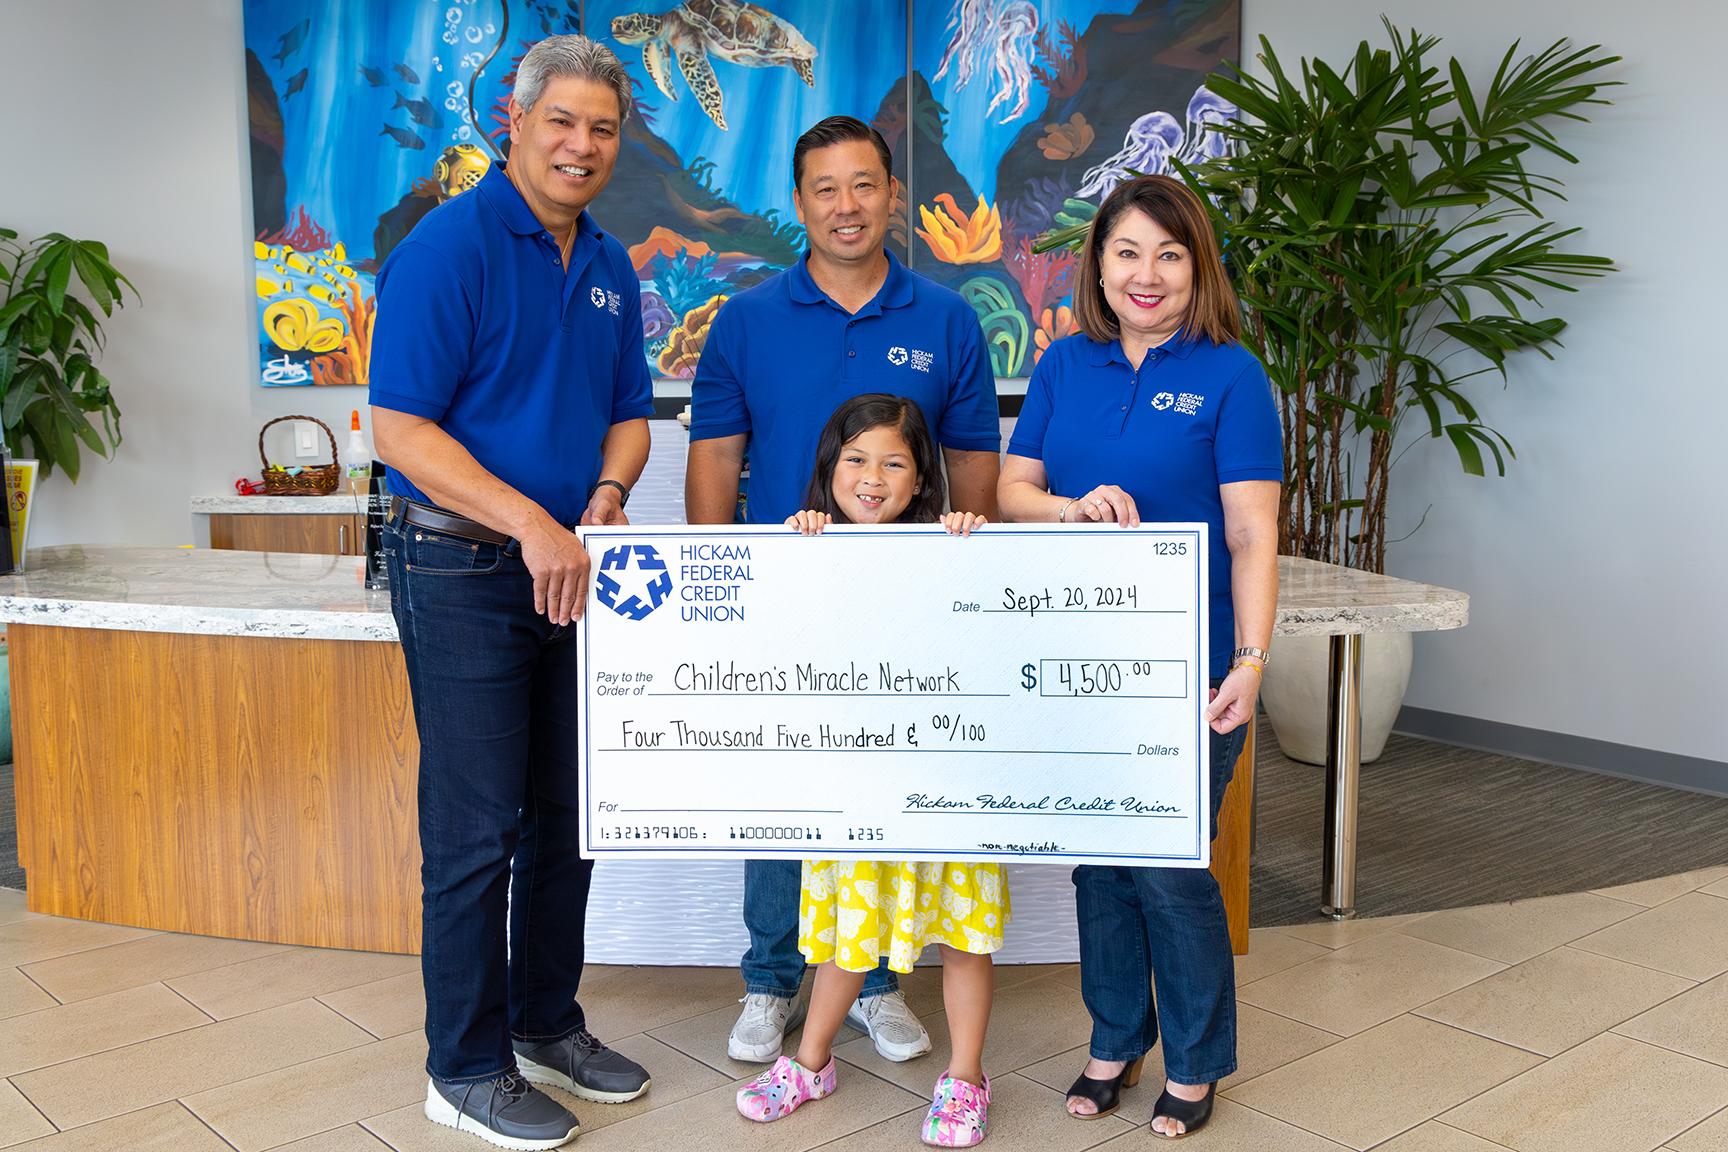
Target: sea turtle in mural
pixel 730 29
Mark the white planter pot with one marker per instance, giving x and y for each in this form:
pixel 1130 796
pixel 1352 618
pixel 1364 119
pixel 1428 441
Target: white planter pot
pixel 1295 688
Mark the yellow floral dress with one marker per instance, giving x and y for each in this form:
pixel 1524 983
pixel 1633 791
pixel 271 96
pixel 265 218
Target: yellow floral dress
pixel 854 912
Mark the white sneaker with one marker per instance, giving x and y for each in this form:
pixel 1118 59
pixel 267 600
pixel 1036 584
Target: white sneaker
pixel 897 1033
pixel 762 1025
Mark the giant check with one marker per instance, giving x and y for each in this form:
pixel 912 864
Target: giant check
pixel 1028 692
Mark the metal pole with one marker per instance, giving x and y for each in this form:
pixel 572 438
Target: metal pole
pixel 1343 774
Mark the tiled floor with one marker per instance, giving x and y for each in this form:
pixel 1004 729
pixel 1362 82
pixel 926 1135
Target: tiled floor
pixel 1573 1023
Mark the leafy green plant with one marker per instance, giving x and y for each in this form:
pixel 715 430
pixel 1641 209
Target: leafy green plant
pixel 1387 239
pixel 49 383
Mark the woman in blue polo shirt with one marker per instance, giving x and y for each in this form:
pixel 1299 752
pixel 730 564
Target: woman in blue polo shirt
pixel 1157 411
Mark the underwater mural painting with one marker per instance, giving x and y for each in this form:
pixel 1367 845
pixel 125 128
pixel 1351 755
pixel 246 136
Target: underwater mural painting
pixel 702 193
pixel 1016 117
pixel 1029 115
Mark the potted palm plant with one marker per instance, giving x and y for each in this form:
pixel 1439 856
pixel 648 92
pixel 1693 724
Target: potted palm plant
pixel 50 387
pixel 1385 228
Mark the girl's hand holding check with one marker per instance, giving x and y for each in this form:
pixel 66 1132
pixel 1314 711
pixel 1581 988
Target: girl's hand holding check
pixel 808 522
pixel 962 523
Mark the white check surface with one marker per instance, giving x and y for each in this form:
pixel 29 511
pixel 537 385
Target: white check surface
pixel 1030 692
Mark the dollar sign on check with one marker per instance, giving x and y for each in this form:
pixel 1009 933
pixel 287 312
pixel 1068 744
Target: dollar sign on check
pixel 1028 677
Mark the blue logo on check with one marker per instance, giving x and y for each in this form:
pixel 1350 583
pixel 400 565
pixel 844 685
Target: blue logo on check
pixel 654 590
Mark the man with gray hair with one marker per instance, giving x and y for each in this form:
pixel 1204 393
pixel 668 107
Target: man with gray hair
pixel 510 399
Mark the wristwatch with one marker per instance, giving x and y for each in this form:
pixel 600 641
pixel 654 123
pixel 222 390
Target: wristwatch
pixel 623 492
pixel 1259 654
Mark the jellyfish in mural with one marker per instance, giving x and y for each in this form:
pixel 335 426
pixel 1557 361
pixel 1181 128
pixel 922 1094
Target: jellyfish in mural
pixel 1206 111
pixel 1150 143
pixel 1001 32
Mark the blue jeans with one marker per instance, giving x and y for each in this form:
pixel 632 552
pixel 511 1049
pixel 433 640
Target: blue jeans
pixel 773 964
pixel 505 895
pixel 1141 927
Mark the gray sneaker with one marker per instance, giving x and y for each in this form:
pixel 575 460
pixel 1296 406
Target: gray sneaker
pixel 508 1112
pixel 763 1024
pixel 896 1032
pixel 584 1067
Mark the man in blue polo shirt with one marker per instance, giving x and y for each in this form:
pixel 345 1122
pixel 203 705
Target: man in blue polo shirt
pixel 845 320
pixel 509 398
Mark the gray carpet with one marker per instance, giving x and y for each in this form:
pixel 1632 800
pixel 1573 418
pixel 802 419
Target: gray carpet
pixel 11 876
pixel 1444 827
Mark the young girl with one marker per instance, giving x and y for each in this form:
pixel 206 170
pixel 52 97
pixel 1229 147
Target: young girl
pixel 876 464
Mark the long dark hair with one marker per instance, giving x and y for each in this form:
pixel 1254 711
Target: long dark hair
pixel 856 417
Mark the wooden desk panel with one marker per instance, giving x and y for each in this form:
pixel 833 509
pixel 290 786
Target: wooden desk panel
pixel 261 789
pixel 322 534
pixel 258 789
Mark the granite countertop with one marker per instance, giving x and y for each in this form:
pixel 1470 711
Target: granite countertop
pixel 341 504
pixel 287 595
pixel 215 592
pixel 1316 599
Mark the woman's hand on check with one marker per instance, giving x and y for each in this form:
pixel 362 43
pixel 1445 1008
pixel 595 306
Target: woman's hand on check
pixel 962 523
pixel 808 522
pixel 1104 503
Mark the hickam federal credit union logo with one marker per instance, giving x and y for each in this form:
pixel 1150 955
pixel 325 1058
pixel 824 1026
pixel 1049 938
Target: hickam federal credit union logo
pixel 647 591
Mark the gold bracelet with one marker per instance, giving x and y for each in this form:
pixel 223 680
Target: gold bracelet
pixel 1064 512
pixel 1258 671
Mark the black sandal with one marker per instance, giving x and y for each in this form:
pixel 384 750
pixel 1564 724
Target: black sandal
pixel 1191 1114
pixel 1105 1095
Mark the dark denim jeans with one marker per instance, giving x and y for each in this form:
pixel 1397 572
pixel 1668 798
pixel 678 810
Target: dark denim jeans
pixel 1141 927
pixel 505 895
pixel 773 964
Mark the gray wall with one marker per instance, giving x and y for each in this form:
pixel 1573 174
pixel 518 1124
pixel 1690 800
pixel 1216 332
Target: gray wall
pixel 1595 567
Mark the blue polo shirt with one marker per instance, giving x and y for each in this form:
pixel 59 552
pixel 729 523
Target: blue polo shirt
pixel 525 364
pixel 1193 416
pixel 782 356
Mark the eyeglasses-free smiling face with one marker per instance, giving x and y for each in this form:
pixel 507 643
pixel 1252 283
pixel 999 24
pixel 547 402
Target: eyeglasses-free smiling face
pixel 1148 280
pixel 875 477
pixel 844 202
pixel 562 150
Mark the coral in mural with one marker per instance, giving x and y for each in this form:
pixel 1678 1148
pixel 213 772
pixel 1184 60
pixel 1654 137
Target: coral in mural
pixel 1066 141
pixel 657 318
pixel 1005 329
pixel 1001 33
pixel 1052 326
pixel 956 238
pixel 1044 277
pixel 307 235
pixel 352 363
pixel 1064 69
pixel 295 325
pixel 684 343
pixel 683 281
pixel 1033 213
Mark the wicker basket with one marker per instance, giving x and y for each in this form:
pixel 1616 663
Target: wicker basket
pixel 314 480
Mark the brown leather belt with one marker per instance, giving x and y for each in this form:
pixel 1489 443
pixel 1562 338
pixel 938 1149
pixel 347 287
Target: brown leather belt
pixel 425 516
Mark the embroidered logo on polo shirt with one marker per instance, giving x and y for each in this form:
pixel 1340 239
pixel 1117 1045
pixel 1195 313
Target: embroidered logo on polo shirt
pixel 1163 400
pixel 1189 403
pixel 611 301
pixel 896 355
pixel 646 590
pixel 921 360
pixel 598 295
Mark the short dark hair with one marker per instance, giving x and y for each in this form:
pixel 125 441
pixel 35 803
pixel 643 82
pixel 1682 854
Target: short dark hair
pixel 838 130
pixel 856 417
pixel 1213 309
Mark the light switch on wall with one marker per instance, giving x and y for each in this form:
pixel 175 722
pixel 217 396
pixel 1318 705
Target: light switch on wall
pixel 305 438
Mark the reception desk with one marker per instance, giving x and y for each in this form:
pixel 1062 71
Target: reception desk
pixel 222 743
